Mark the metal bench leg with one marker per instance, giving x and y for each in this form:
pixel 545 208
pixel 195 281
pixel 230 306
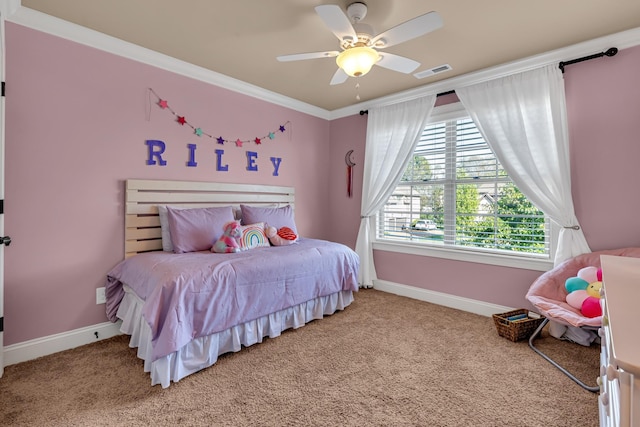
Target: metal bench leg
pixel 536 333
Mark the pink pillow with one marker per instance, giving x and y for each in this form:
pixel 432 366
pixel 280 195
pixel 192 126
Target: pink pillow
pixel 197 229
pixel 275 217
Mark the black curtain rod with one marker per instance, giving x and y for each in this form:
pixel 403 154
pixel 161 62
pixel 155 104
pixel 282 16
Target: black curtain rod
pixel 609 52
pixel 449 92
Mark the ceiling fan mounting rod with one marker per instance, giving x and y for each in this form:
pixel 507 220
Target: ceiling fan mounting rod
pixel 356 11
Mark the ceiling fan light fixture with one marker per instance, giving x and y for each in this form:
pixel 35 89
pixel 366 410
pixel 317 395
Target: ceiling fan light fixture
pixel 357 61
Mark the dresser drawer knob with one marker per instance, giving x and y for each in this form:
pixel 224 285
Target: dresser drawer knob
pixel 612 372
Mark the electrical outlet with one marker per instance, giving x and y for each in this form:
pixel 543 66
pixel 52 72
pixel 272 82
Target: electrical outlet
pixel 101 298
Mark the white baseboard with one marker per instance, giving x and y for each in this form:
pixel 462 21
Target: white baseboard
pixel 32 349
pixel 28 350
pixel 447 300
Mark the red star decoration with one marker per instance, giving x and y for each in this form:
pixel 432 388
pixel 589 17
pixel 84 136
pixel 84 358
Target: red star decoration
pixel 181 120
pixel 163 103
pixel 238 143
pixel 257 140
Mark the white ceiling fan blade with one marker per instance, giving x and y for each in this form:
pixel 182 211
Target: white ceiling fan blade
pixel 397 63
pixel 410 29
pixel 337 21
pixel 310 55
pixel 339 77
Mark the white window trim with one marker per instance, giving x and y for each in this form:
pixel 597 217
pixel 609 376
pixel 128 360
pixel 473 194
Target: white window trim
pixel 462 254
pixel 451 112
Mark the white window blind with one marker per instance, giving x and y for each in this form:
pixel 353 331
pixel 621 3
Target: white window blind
pixel 455 194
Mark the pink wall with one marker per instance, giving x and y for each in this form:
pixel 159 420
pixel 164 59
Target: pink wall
pixel 77 119
pixel 347 134
pixel 603 103
pixel 76 125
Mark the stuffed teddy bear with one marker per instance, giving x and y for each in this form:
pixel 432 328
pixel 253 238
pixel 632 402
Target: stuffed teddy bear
pixel 280 237
pixel 584 291
pixel 228 242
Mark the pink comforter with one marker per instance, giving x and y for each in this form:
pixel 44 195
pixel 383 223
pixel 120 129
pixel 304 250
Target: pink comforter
pixel 197 294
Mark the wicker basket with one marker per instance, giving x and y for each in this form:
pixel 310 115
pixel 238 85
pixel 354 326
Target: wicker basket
pixel 516 330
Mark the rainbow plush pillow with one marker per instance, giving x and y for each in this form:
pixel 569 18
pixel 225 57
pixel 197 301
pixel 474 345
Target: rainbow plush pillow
pixel 253 236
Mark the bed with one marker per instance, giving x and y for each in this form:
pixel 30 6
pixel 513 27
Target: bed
pixel 183 306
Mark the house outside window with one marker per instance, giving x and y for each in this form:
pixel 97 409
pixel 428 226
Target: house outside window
pixel 455 196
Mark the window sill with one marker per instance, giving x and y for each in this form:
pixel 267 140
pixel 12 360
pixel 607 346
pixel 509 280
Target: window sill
pixel 466 255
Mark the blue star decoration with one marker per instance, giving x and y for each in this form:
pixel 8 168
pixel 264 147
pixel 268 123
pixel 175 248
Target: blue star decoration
pixel 282 129
pixel 220 140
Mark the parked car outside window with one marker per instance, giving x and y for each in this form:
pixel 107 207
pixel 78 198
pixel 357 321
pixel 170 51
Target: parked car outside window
pixel 425 224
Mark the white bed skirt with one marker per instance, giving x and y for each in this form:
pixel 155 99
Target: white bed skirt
pixel 203 352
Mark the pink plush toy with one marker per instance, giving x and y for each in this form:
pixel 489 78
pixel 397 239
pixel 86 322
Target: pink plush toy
pixel 283 236
pixel 228 243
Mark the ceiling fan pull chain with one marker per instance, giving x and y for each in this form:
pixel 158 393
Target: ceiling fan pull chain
pixel 358 91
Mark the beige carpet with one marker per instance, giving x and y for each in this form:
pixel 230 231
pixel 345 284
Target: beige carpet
pixel 383 361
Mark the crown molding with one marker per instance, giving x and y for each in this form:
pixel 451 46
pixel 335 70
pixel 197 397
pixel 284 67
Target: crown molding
pixel 58 27
pixel 9 7
pixel 14 12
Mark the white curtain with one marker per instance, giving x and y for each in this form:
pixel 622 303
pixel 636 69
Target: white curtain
pixel 392 134
pixel 523 119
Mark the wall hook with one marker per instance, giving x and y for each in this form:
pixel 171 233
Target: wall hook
pixel 350 165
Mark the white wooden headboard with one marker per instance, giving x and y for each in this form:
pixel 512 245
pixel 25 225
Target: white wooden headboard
pixel 142 224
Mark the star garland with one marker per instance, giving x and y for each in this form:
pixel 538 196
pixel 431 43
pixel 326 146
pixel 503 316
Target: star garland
pixel 164 104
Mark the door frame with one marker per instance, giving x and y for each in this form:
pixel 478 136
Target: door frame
pixel 7 8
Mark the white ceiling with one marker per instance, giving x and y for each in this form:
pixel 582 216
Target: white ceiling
pixel 241 38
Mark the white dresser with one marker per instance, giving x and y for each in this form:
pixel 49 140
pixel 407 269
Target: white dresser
pixel 619 399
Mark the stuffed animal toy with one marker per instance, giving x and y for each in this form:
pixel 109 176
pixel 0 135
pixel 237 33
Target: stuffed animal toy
pixel 584 291
pixel 228 242
pixel 280 237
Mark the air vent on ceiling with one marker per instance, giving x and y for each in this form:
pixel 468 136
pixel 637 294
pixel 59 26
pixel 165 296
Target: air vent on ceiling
pixel 432 71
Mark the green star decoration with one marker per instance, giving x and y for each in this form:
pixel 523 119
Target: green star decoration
pixel 272 135
pixel 198 131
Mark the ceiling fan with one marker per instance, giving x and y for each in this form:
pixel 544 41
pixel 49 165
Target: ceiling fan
pixel 359 45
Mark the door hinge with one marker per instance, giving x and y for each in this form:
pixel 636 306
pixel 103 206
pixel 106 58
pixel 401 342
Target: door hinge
pixel 1 324
pixel 2 88
pixel 1 206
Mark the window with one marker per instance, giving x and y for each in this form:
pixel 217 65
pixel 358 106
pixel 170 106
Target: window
pixel 455 195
